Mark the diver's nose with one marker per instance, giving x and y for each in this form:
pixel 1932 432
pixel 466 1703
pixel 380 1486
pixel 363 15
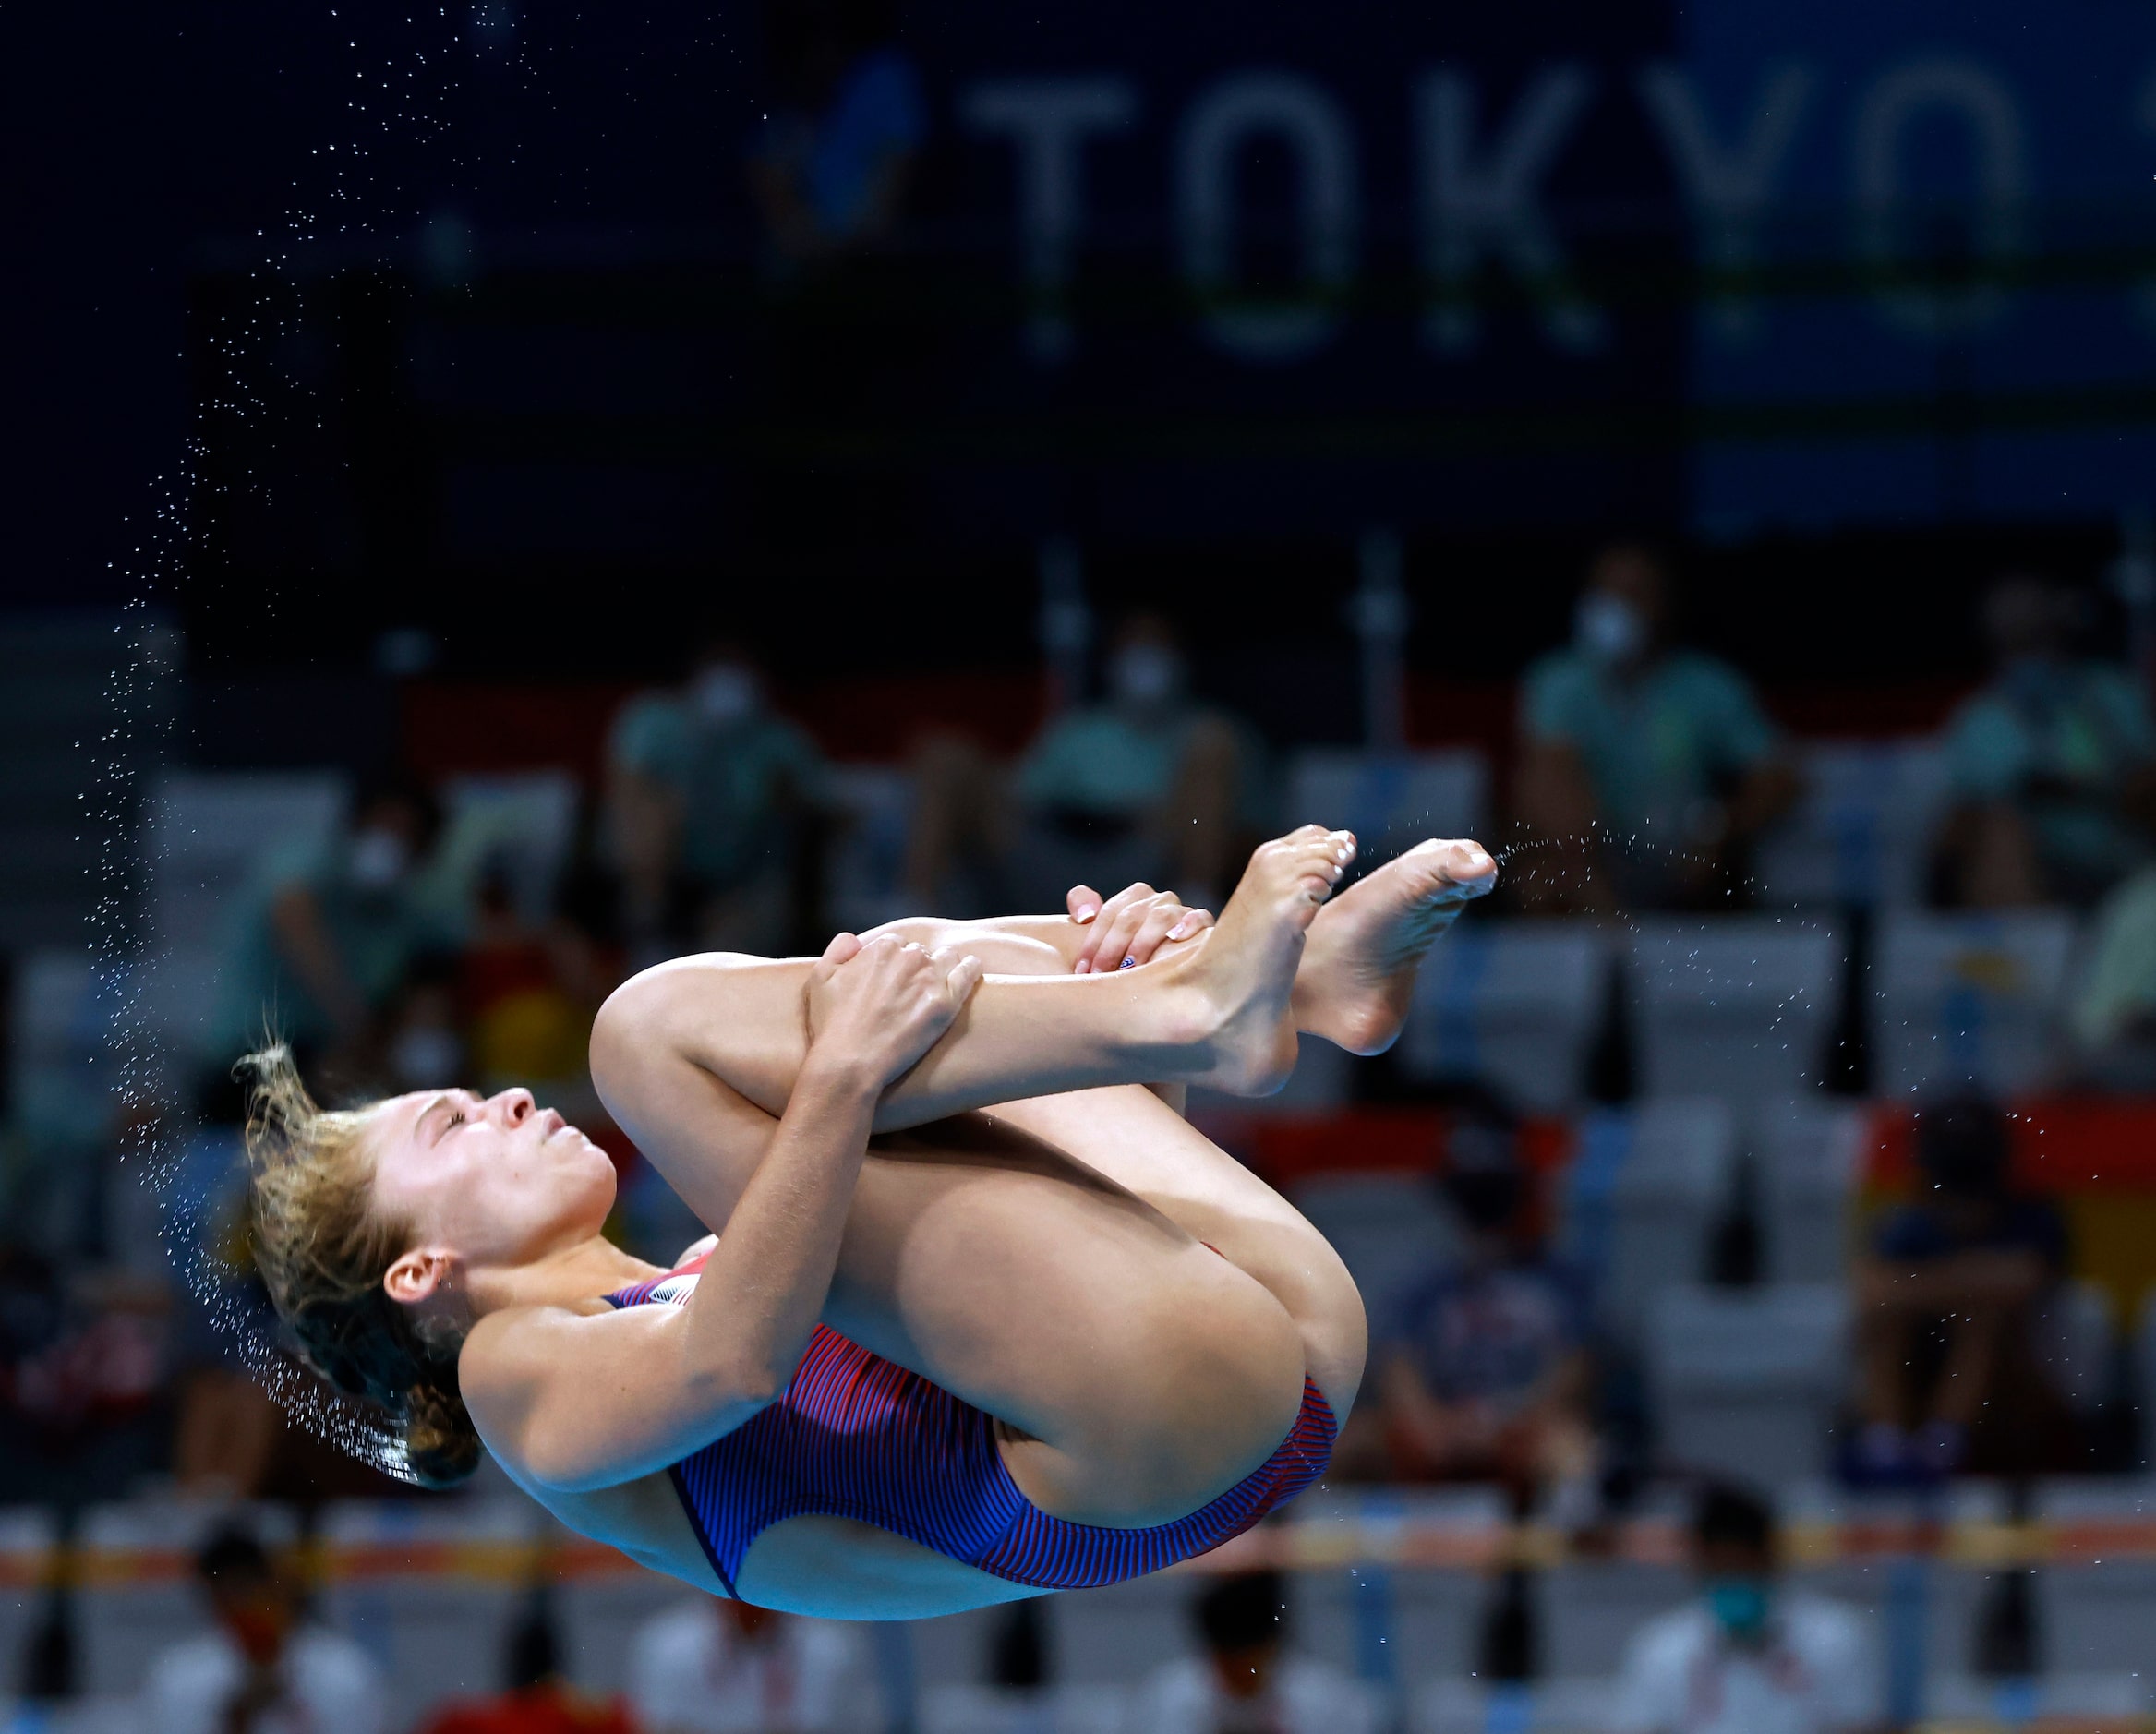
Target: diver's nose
pixel 516 1104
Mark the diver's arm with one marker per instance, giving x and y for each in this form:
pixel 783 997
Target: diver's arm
pixel 1094 937
pixel 577 1401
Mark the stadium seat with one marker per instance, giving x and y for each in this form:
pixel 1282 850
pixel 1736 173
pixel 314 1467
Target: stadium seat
pixel 523 824
pixel 602 1603
pixel 957 1709
pixel 865 870
pixel 210 831
pixel 27 1539
pixel 953 1650
pixel 1516 1003
pixel 208 835
pixel 2079 1344
pixel 1861 831
pixel 1116 1635
pixel 1740 1008
pixel 1810 1158
pixel 1548 1706
pixel 1587 1610
pixel 1389 801
pixel 1967 1000
pixel 2096 1702
pixel 2095 1615
pixel 2142 1357
pixel 1389 1230
pixel 59 1022
pixel 138 1575
pixel 1950 1599
pixel 1431 1619
pixel 1638 1200
pixel 433 1589
pixel 1745 1381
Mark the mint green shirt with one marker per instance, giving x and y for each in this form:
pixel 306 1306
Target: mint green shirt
pixel 1653 745
pixel 731 779
pixel 2087 727
pixel 1107 761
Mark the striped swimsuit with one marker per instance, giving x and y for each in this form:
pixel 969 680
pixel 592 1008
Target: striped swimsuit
pixel 856 1436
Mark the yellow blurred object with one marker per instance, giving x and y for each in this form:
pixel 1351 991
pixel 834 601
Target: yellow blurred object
pixel 538 1033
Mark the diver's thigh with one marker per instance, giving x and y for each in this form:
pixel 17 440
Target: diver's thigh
pixel 1145 1373
pixel 1130 1136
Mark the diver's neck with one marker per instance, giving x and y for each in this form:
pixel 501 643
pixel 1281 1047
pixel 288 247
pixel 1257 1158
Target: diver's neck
pixel 583 1270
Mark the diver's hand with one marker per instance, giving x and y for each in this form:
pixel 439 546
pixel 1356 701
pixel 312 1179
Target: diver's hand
pixel 874 1007
pixel 1130 927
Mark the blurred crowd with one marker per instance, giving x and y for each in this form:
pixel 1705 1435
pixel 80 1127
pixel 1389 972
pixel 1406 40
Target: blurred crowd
pixel 406 947
pixel 1746 1650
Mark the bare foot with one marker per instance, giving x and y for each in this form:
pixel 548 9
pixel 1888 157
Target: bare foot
pixel 1357 977
pixel 1244 971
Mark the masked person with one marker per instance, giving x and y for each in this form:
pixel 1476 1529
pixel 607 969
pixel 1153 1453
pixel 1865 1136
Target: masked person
pixel 1146 785
pixel 1751 1656
pixel 1652 764
pixel 2052 765
pixel 262 1669
pixel 714 803
pixel 328 933
pixel 1952 1300
pixel 1485 1373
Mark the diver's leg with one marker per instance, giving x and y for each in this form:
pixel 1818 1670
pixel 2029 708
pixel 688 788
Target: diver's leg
pixel 1130 1136
pixel 1217 1015
pixel 1357 977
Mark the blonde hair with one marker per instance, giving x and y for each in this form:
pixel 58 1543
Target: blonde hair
pixel 323 1248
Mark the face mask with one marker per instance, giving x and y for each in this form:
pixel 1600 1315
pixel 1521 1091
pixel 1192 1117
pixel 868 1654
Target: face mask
pixel 426 1056
pixel 378 860
pixel 1145 675
pixel 727 694
pixel 1738 1606
pixel 1609 628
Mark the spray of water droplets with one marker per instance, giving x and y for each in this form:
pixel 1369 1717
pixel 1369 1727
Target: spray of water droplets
pixel 262 402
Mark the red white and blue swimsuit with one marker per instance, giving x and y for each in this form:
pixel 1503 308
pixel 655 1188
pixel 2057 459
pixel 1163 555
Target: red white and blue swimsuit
pixel 857 1436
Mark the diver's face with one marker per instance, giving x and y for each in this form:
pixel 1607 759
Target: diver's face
pixel 494 1180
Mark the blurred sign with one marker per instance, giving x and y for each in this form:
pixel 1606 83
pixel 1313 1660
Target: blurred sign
pixel 1883 266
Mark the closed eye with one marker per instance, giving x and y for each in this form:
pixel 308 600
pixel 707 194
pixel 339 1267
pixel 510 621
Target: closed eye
pixel 443 1122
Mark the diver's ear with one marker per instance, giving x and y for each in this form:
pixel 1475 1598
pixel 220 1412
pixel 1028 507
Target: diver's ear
pixel 419 1275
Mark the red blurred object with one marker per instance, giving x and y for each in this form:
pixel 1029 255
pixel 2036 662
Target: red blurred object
pixel 2060 1144
pixel 550 1709
pixel 452 726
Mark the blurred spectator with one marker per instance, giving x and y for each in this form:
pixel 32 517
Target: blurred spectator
pixel 327 935
pixel 1950 1299
pixel 1664 750
pixel 2052 765
pixel 528 993
pixel 1149 783
pixel 1750 1657
pixel 714 803
pixel 2114 1014
pixel 422 1040
pixel 715 1667
pixel 1249 1681
pixel 1484 1372
pixel 264 1669
pixel 538 1700
pixel 85 1363
pixel 836 159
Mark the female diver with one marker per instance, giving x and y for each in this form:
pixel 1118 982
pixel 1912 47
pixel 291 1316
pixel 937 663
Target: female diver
pixel 986 1318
